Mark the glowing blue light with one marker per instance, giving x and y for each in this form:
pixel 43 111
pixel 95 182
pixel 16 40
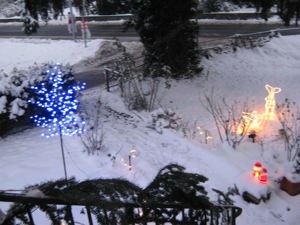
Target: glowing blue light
pixel 59 100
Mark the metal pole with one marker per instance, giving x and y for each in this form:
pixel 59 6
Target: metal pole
pixel 129 162
pixel 63 154
pixel 83 29
pixel 88 211
pixel 107 80
pixel 73 25
pixel 31 222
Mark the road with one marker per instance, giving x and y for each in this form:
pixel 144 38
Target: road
pixel 94 77
pixel 110 31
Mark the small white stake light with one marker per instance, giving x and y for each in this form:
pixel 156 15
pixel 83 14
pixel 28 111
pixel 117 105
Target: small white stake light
pixel 207 137
pixel 132 154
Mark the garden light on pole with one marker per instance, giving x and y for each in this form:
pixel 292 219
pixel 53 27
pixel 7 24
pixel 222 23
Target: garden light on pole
pixel 207 136
pixel 84 26
pixel 132 154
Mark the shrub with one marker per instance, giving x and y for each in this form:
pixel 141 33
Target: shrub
pixel 164 119
pixel 15 92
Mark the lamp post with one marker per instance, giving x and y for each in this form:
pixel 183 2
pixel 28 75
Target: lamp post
pixel 73 22
pixel 84 26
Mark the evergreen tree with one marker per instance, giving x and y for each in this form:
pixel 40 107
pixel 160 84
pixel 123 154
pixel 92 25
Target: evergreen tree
pixel 168 34
pixel 297 13
pixel 266 6
pixel 262 6
pixel 41 7
pixel 36 8
pixel 57 7
pixel 31 9
pixel 297 164
pixel 254 3
pixel 212 6
pixel 107 7
pixel 290 9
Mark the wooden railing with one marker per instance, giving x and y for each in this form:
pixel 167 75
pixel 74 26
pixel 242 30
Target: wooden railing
pixel 125 213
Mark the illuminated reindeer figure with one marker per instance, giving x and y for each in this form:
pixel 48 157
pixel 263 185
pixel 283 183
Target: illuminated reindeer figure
pixel 251 122
pixel 270 102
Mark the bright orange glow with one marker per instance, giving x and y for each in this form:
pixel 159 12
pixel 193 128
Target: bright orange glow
pixel 270 102
pixel 260 173
pixel 257 169
pixel 209 138
pixel 252 122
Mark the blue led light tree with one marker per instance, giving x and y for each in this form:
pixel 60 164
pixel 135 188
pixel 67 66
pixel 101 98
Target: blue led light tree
pixel 57 99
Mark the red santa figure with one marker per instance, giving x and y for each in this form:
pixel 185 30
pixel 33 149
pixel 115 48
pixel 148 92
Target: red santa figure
pixel 263 177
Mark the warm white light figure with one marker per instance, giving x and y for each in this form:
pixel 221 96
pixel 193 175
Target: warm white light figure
pixel 252 122
pixel 255 121
pixel 270 102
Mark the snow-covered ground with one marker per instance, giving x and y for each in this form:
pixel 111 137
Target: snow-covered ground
pixel 27 158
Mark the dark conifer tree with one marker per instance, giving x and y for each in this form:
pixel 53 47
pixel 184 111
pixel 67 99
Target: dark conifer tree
pixel 168 34
pixel 106 7
pixel 266 6
pixel 57 7
pixel 43 6
pixel 212 6
pixel 36 8
pixel 31 8
pixel 297 12
pixel 290 11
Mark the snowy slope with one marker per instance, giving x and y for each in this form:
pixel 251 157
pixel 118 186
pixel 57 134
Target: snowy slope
pixel 27 158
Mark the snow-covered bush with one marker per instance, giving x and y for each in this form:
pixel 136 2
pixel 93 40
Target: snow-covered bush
pixel 30 25
pixel 208 6
pixel 229 7
pixel 138 92
pixel 227 118
pixel 15 92
pixel 11 8
pixel 164 119
pixel 297 165
pixel 239 42
pixel 289 118
pixel 93 137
